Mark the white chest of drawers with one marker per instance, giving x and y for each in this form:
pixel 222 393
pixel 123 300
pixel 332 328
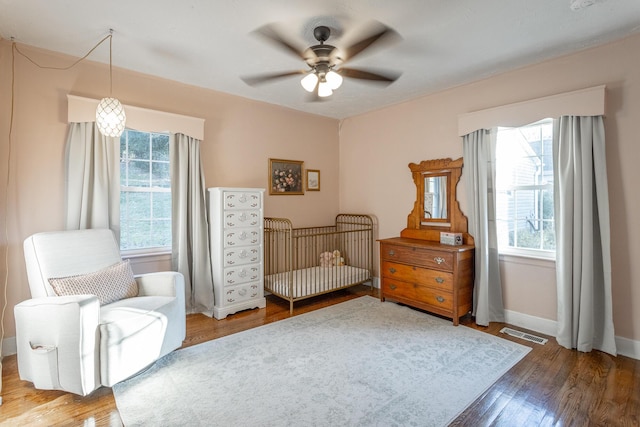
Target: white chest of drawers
pixel 236 231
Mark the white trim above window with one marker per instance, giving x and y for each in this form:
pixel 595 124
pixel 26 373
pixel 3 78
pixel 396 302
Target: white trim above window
pixel 82 110
pixel 584 102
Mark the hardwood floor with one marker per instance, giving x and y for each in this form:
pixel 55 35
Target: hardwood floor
pixel 551 386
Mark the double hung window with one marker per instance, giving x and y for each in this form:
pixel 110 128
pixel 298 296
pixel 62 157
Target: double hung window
pixel 145 192
pixel 524 190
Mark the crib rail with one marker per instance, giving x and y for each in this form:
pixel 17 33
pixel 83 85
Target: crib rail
pixel 309 261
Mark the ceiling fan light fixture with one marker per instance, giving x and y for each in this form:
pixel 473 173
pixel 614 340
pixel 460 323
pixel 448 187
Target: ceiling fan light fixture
pixel 334 80
pixel 309 82
pixel 324 89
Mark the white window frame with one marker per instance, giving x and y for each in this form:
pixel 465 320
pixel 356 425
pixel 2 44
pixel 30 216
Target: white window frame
pixel 152 250
pixel 81 109
pixel 583 102
pixel 544 254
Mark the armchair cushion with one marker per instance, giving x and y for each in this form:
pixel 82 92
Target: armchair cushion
pixel 109 284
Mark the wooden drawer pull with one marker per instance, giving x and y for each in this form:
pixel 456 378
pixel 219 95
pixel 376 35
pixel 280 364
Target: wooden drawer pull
pixel 438 260
pixel 392 287
pixel 439 298
pixel 392 270
pixel 439 280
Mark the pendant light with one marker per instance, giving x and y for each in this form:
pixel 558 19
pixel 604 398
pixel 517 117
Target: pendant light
pixel 110 115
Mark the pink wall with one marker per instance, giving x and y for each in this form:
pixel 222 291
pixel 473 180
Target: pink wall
pixel 373 151
pixel 426 128
pixel 240 136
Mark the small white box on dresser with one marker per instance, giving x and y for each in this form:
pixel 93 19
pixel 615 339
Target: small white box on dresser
pixel 236 231
pixel 454 239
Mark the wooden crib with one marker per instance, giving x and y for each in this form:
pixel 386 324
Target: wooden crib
pixel 304 262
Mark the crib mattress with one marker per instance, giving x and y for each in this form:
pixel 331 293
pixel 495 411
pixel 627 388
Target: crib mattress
pixel 313 280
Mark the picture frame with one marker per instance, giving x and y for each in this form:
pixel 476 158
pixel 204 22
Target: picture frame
pixel 285 177
pixel 313 180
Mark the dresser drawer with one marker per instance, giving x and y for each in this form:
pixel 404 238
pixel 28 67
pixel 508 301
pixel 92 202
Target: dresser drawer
pixel 408 273
pixel 241 274
pixel 411 291
pixel 242 200
pixel 238 219
pixel 429 258
pixel 242 255
pixel 241 293
pixel 241 237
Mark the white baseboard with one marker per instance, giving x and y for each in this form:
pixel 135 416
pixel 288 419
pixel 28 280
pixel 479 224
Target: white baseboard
pixel 624 346
pixel 627 347
pixel 9 346
pixel 536 324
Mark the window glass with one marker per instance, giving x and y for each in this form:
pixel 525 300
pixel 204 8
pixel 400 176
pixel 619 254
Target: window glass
pixel 145 191
pixel 524 188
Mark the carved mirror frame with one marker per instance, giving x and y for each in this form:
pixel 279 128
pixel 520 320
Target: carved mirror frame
pixel 419 227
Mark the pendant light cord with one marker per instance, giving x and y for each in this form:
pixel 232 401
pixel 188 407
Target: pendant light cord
pixel 45 67
pixel 14 50
pixel 110 62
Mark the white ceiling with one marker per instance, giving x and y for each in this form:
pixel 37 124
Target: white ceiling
pixel 209 43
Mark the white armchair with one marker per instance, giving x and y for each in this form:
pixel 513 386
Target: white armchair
pixel 79 342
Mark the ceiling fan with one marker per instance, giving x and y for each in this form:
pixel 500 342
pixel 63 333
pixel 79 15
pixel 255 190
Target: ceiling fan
pixel 325 62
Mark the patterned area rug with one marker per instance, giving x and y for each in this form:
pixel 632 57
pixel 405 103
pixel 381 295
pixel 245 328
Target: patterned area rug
pixel 358 363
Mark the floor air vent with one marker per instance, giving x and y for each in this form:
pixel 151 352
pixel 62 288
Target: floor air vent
pixel 524 336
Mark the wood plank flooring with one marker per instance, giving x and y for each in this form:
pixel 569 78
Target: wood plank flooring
pixel 551 386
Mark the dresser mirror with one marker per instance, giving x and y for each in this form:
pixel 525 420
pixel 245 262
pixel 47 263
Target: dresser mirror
pixel 435 198
pixel 436 208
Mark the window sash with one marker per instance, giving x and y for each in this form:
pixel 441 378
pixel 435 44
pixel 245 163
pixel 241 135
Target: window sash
pixel 523 218
pixel 154 226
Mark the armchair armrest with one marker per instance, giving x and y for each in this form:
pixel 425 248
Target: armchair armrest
pixel 171 284
pixel 164 283
pixel 56 339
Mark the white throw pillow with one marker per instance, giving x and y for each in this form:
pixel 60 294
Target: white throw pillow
pixel 110 284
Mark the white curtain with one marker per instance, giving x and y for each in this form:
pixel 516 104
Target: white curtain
pixel 442 197
pixel 93 179
pixel 583 259
pixel 479 149
pixel 190 231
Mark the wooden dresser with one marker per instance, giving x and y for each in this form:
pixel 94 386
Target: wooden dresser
pixel 428 275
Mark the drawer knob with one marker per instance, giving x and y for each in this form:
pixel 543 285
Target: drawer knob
pixel 438 260
pixel 439 298
pixel 439 280
pixel 392 287
pixel 392 270
pixel 392 252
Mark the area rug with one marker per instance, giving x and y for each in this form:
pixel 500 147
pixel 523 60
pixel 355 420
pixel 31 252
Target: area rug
pixel 357 363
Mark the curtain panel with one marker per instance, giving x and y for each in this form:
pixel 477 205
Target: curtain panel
pixel 479 163
pixel 583 258
pixel 93 179
pixel 190 228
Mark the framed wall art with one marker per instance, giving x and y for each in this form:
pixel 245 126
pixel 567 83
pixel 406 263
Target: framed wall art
pixel 285 177
pixel 313 180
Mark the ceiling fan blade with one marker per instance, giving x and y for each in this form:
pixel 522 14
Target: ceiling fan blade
pixel 388 76
pixel 375 33
pixel 265 78
pixel 272 34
